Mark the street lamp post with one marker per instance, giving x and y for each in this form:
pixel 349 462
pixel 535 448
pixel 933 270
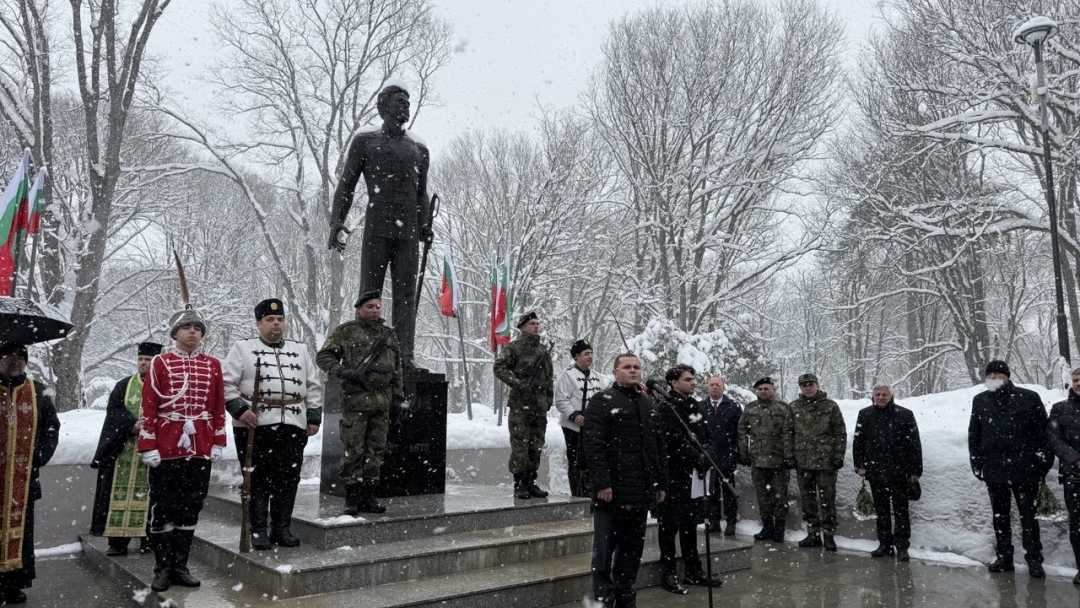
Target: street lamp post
pixel 1034 33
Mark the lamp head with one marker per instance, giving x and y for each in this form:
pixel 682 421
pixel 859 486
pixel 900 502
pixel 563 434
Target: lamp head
pixel 1036 30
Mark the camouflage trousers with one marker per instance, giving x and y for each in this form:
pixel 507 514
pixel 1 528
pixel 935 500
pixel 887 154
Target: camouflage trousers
pixel 771 487
pixel 818 491
pixel 364 436
pixel 527 430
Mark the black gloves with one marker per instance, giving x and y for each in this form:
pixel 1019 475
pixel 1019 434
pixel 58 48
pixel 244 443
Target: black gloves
pixel 743 460
pixel 789 463
pixel 838 464
pixel 350 375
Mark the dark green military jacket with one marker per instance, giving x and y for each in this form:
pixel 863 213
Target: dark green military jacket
pixel 514 366
pixel 819 433
pixel 346 347
pixel 765 433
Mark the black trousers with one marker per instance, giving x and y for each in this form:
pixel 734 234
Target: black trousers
pixel 575 463
pixel 1072 504
pixel 723 505
pixel 687 542
pixel 403 258
pixel 1001 506
pixel 618 540
pixel 178 488
pixel 278 456
pixel 891 507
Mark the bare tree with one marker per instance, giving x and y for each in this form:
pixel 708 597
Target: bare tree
pixel 108 42
pixel 709 126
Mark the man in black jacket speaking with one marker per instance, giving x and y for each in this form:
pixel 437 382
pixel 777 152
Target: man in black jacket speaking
pixel 624 450
pixel 1008 449
pixel 888 453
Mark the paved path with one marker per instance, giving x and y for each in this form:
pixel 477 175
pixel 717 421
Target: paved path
pixel 782 577
pixel 789 577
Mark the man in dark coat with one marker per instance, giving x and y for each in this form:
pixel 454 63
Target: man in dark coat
pixel 722 416
pixel 1063 431
pixel 625 452
pixel 681 512
pixel 888 453
pixel 122 498
pixel 30 431
pixel 1008 447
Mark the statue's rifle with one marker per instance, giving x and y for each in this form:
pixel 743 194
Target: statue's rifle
pixel 428 238
pixel 245 489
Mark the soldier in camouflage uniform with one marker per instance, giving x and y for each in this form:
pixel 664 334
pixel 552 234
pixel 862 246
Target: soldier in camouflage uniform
pixel 365 398
pixel 820 439
pixel 765 444
pixel 525 366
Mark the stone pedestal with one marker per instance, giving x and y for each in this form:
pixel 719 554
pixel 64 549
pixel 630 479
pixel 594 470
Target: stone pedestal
pixel 415 461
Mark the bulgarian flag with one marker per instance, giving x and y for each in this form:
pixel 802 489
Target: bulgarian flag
pixel 13 208
pixel 500 304
pixel 36 200
pixel 448 297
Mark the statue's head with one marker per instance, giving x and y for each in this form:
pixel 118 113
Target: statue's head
pixel 393 104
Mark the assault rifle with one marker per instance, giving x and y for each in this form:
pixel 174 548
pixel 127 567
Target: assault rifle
pixel 376 350
pixel 532 381
pixel 245 489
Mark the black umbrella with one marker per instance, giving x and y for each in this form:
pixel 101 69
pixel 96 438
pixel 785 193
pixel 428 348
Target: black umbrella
pixel 27 322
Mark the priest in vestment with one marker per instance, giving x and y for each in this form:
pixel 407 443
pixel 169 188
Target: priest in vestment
pixel 29 431
pixel 122 498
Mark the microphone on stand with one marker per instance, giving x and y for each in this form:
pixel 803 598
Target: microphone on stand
pixel 659 386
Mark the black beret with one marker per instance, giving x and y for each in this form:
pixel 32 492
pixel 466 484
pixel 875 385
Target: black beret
pixel 525 318
pixel 998 367
pixel 149 349
pixel 579 347
pixel 374 294
pixel 765 380
pixel 273 306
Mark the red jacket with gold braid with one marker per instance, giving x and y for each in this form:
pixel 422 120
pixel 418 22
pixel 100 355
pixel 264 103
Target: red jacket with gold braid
pixel 183 405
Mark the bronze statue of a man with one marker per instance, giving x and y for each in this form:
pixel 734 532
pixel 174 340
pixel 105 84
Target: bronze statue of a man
pixel 395 168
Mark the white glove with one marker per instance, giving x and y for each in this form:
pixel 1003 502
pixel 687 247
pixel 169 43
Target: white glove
pixel 215 453
pixel 151 458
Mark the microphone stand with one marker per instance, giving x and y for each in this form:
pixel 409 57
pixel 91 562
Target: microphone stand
pixel 724 481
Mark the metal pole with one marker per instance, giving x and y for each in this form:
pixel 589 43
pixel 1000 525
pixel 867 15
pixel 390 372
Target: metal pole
pixel 1051 203
pixel 498 395
pixel 464 367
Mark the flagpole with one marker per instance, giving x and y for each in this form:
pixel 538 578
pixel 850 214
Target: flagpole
pixel 464 366
pixel 33 264
pixel 498 395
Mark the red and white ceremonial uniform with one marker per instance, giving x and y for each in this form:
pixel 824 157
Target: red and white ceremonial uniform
pixel 183 406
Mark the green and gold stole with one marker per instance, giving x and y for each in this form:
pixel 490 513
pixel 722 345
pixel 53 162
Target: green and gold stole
pixel 130 497
pixel 18 428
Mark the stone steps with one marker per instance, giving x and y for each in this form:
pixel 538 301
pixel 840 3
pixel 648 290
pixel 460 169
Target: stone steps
pixel 474 546
pixel 318 519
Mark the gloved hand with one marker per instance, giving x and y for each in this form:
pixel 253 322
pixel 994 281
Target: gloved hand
pixel 215 453
pixel 743 460
pixel 978 474
pixel 789 463
pixel 703 464
pixel 838 464
pixel 350 375
pixel 151 458
pixel 336 244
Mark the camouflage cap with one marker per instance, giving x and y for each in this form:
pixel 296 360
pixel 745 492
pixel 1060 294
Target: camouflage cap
pixel 807 379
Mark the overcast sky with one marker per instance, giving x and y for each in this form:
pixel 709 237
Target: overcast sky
pixel 511 56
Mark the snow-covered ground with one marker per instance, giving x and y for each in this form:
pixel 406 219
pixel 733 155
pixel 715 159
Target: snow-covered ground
pixel 950 523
